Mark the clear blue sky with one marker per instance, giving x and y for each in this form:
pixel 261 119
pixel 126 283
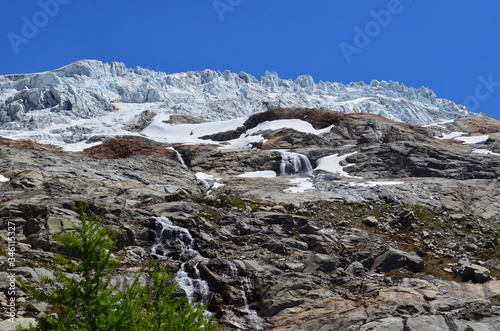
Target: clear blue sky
pixel 451 46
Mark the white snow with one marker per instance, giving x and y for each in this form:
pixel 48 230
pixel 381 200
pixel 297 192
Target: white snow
pixel 438 124
pixel 296 124
pixel 216 185
pixel 209 181
pixel 3 179
pixel 473 139
pixel 461 136
pixel 451 135
pixel 302 185
pixel 332 164
pixel 373 184
pixel 243 142
pixel 484 151
pixel 202 175
pixel 78 147
pixel 188 133
pixel 258 174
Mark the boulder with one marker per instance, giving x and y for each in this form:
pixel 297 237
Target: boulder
pixel 475 273
pixel 176 206
pixel 371 221
pixel 395 259
pixel 320 262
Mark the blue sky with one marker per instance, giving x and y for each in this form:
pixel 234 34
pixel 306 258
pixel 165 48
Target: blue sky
pixel 451 46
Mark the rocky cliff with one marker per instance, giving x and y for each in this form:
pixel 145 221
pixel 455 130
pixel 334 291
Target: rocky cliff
pixel 299 219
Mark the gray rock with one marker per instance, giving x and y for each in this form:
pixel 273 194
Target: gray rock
pixel 310 228
pixel 475 273
pixel 5 280
pixel 390 323
pixel 355 269
pixel 394 259
pixel 177 206
pixel 298 267
pixel 471 247
pixel 260 267
pixel 371 221
pixel 320 262
pixel 277 247
pixel 18 321
pixel 29 179
pixel 495 263
pixel 458 217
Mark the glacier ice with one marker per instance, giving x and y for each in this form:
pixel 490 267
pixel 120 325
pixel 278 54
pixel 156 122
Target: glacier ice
pixel 89 89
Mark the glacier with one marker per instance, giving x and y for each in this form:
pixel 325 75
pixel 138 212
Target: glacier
pixel 90 97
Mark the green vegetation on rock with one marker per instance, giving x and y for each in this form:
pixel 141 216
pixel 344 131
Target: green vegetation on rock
pixel 83 298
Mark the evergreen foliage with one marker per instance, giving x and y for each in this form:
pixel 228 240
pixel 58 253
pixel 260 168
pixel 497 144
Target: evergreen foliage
pixel 84 299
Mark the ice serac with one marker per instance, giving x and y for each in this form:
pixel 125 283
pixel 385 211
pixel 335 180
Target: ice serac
pixel 90 88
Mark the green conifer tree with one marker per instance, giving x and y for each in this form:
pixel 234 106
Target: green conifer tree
pixel 83 298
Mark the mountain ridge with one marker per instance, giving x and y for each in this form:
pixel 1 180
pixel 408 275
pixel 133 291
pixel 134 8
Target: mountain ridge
pixel 89 88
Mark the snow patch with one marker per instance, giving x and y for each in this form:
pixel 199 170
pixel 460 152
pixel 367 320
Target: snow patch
pixel 296 124
pixel 210 182
pixel 3 179
pixel 484 151
pixel 302 185
pixel 78 147
pixel 438 124
pixel 188 133
pixel 451 135
pixel 202 175
pixel 473 139
pixel 373 184
pixel 332 164
pixel 259 174
pixel 244 142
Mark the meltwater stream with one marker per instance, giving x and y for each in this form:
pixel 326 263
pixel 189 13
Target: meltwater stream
pixel 179 156
pixel 254 320
pixel 294 163
pixel 176 243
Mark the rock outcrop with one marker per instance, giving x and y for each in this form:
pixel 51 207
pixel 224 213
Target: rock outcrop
pixel 392 229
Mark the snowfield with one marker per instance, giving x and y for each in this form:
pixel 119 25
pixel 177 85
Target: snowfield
pixel 332 164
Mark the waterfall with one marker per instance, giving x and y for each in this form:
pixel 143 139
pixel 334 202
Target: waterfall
pixel 172 241
pixel 176 243
pixel 179 156
pixel 191 286
pixel 294 163
pixel 203 287
pixel 185 282
pixel 253 319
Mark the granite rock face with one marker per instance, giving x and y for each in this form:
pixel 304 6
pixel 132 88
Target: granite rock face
pixel 392 229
